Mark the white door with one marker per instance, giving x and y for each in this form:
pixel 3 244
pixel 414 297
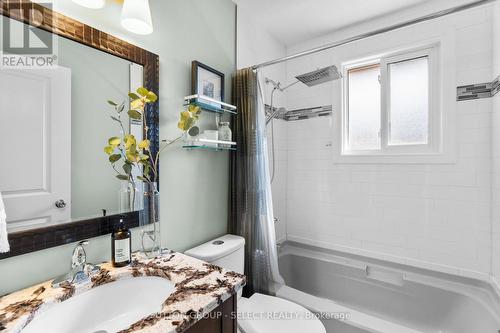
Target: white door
pixel 136 126
pixel 35 146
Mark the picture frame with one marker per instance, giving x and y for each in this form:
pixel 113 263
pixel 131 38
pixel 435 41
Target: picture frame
pixel 207 81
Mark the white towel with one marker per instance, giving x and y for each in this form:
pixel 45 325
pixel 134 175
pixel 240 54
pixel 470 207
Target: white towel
pixel 4 241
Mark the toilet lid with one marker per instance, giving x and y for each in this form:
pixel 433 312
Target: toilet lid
pixel 267 314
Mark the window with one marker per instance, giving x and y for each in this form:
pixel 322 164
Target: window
pixel 364 107
pixel 389 105
pixel 409 102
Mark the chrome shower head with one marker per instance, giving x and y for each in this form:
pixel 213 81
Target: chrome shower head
pixel 319 76
pixel 310 79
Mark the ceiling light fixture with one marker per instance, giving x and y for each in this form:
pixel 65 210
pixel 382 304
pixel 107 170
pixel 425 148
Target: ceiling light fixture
pixel 136 17
pixel 93 4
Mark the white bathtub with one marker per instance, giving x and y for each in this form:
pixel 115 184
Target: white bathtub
pixel 378 296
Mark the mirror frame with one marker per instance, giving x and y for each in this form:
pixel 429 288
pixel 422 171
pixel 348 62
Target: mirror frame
pixel 23 242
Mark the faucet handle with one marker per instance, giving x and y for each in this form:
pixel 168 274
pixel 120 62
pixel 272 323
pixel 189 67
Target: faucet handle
pixel 80 269
pixel 79 257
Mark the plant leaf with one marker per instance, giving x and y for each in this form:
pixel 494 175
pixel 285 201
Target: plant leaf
pixel 144 144
pixel 120 108
pixel 122 177
pixel 180 124
pixel 132 157
pixel 127 168
pixel 194 109
pixel 133 96
pixel 142 178
pixel 187 124
pixel 109 150
pixel 115 119
pixel 112 103
pixel 134 114
pixel 137 104
pixel 142 91
pixel 147 169
pixel 129 141
pixel 115 158
pixel 114 141
pixel 185 121
pixel 151 97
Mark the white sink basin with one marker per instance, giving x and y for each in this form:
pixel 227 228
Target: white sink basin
pixel 107 308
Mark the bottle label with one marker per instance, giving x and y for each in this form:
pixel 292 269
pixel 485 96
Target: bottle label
pixel 122 250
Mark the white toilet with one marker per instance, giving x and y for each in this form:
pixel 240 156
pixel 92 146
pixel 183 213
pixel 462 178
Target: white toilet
pixel 228 252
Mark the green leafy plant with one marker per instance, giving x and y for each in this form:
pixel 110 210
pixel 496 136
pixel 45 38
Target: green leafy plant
pixel 126 151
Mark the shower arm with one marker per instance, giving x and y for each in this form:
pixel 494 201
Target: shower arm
pixel 288 86
pixel 277 86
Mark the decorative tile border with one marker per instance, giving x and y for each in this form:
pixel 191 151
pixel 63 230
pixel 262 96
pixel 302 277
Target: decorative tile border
pixel 478 91
pixel 474 91
pixel 495 86
pixel 306 113
pixel 23 242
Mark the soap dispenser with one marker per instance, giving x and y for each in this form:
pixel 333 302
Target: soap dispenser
pixel 121 244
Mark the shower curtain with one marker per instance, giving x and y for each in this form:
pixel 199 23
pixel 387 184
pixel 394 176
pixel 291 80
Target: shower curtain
pixel 251 199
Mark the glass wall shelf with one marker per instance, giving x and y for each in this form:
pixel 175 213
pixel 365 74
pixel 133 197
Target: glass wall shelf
pixel 215 145
pixel 209 148
pixel 209 104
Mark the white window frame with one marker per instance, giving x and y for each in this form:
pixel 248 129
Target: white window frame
pixel 429 152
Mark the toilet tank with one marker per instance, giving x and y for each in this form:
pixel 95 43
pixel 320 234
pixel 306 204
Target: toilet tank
pixel 227 252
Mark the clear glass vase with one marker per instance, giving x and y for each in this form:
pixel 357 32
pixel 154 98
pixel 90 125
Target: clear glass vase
pixel 129 198
pixel 150 221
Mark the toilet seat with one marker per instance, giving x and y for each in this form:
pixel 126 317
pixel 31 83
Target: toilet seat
pixel 267 314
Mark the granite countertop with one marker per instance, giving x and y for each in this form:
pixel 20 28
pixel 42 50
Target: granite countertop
pixel 199 288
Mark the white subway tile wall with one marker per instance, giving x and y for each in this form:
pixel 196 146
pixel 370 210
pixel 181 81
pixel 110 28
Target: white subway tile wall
pixel 434 216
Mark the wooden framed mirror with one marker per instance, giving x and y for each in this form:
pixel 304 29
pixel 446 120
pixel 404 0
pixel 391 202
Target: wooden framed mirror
pixel 96 66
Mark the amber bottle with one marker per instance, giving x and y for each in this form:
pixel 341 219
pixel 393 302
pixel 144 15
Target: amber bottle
pixel 121 244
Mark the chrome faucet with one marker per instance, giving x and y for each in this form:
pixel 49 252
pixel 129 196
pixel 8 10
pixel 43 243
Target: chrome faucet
pixel 80 269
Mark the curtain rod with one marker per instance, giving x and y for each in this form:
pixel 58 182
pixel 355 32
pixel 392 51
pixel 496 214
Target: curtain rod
pixel 376 32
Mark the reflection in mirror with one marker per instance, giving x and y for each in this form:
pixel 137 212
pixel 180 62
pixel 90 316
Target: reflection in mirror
pixel 54 124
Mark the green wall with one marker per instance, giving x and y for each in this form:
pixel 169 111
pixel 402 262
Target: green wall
pixel 194 185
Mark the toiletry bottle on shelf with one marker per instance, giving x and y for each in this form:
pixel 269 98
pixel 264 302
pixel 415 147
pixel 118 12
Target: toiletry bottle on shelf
pixel 121 246
pixel 212 135
pixel 225 133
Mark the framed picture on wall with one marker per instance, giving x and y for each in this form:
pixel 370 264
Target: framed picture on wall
pixel 207 81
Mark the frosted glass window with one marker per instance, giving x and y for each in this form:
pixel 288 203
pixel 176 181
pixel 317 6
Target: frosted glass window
pixel 409 102
pixel 391 107
pixel 364 108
